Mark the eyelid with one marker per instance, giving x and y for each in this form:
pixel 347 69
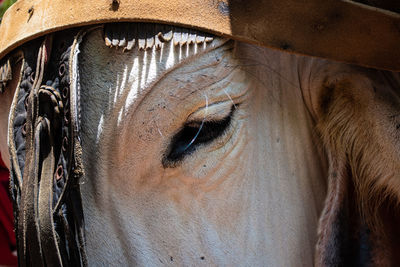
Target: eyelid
pixel 214 112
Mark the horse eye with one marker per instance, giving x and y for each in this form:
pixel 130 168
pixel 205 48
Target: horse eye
pixel 192 135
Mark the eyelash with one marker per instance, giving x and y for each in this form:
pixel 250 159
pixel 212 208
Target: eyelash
pixel 192 135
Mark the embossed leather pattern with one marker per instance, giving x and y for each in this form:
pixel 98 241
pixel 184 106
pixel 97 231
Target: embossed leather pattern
pixel 45 163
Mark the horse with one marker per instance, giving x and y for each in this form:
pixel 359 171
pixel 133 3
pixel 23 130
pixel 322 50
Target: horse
pixel 201 150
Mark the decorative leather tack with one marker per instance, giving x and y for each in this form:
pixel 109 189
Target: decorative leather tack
pixel 45 157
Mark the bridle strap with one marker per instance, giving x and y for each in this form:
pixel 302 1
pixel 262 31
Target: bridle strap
pixel 28 224
pixel 45 156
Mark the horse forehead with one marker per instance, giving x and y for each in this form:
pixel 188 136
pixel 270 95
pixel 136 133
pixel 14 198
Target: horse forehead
pixel 124 76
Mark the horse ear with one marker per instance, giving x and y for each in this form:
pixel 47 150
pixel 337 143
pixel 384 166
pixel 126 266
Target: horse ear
pixel 359 222
pixel 343 238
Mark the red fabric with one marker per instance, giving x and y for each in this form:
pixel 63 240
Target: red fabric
pixel 7 237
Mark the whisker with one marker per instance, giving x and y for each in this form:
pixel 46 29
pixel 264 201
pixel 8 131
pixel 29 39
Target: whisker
pixel 230 98
pixel 201 126
pixel 158 129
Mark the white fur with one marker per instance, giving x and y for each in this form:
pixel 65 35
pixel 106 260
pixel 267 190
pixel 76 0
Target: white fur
pixel 251 198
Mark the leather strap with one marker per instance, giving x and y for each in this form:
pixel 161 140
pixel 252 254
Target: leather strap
pixel 45 157
pixel 334 29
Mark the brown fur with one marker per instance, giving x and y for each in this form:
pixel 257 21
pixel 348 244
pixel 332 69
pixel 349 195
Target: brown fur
pixel 358 118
